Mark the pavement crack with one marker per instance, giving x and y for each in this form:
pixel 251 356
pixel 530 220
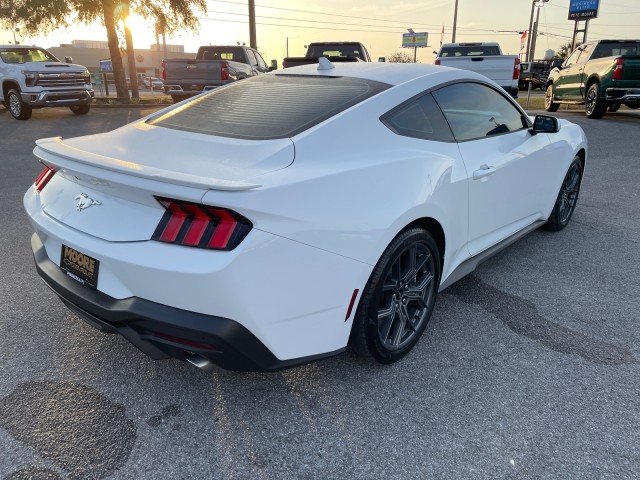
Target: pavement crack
pixel 522 317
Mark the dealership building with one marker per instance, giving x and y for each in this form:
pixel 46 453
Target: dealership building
pixel 90 52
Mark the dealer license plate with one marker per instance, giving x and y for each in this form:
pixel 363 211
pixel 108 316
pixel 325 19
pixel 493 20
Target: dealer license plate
pixel 79 266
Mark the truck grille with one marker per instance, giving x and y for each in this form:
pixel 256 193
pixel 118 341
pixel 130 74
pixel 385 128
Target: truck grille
pixel 71 79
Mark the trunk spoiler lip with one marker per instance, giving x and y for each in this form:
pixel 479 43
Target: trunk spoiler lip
pixel 49 150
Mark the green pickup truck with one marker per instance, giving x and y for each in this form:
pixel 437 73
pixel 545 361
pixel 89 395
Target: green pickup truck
pixel 602 75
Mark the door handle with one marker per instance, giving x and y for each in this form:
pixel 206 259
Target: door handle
pixel 484 171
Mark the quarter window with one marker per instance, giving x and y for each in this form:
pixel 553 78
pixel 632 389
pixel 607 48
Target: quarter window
pixel 477 111
pixel 420 118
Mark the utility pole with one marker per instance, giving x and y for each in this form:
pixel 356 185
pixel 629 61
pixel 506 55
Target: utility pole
pixel 455 22
pixel 252 24
pixel 526 52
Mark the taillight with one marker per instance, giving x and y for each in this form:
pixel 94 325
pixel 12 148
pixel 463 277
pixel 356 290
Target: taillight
pixel 516 69
pixel 224 72
pixel 437 61
pixel 202 226
pixel 617 73
pixel 44 177
pixel 163 70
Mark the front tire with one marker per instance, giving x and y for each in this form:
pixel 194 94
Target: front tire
pixel 567 198
pixel 399 298
pixel 549 104
pixel 594 105
pixel 80 109
pixel 18 109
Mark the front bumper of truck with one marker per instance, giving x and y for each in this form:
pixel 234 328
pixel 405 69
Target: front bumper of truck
pixel 57 98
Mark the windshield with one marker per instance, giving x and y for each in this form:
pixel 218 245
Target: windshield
pixel 25 55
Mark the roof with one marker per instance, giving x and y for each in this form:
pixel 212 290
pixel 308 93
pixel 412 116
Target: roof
pixel 390 73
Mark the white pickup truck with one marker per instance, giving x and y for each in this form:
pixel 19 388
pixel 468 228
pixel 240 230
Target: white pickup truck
pixel 30 77
pixel 485 58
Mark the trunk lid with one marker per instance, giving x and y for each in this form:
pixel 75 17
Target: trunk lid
pixel 106 184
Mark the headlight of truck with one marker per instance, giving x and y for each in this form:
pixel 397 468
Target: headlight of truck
pixel 87 76
pixel 30 78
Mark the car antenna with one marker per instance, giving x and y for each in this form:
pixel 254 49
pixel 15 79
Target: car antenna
pixel 325 64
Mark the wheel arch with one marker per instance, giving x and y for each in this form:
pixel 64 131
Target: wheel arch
pixel 8 85
pixel 434 227
pixel 591 80
pixel 582 155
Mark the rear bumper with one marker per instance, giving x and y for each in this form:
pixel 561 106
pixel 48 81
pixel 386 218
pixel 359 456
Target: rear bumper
pixel 623 95
pixel 179 91
pixel 57 98
pixel 160 331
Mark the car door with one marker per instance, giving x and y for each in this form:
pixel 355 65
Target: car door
pixel 507 166
pixel 567 85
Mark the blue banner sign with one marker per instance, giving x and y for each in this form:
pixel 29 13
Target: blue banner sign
pixel 106 66
pixel 583 9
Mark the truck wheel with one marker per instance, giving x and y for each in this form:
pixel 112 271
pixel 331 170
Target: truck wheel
pixel 18 109
pixel 614 107
pixel 632 105
pixel 549 104
pixel 594 106
pixel 80 109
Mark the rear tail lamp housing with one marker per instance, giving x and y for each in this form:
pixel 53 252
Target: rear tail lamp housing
pixel 45 175
pixel 163 70
pixel 437 61
pixel 224 71
pixel 619 67
pixel 516 69
pixel 202 226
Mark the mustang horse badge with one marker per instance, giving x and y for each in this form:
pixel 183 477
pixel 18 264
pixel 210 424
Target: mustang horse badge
pixel 85 201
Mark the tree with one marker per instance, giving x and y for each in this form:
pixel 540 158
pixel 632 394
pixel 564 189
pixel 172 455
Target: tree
pixel 400 57
pixel 564 52
pixel 41 16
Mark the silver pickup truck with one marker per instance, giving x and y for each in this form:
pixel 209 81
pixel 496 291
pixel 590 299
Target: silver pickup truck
pixel 31 77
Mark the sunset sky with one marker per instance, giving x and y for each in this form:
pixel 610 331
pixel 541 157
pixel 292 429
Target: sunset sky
pixel 379 24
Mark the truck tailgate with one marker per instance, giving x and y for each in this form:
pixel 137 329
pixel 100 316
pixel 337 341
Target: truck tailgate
pixel 192 71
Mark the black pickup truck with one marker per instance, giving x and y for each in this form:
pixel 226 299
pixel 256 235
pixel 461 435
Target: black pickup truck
pixel 334 51
pixel 213 67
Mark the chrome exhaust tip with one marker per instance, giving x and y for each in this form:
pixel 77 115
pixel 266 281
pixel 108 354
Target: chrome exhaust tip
pixel 200 362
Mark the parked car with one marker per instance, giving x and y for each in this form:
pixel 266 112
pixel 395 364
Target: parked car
pixel 213 67
pixel 279 237
pixel 603 74
pixel 32 78
pixel 485 58
pixel 334 51
pixel 152 83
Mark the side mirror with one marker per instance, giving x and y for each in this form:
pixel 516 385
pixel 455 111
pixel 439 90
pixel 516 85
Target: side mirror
pixel 382 59
pixel 68 60
pixel 273 66
pixel 545 124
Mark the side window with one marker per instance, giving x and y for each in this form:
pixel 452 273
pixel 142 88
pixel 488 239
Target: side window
pixel 477 111
pixel 252 58
pixel 586 51
pixel 419 118
pixel 261 62
pixel 573 58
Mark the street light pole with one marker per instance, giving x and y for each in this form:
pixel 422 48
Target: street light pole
pixel 455 22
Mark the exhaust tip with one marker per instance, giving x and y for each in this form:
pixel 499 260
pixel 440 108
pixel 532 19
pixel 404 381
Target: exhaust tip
pixel 199 361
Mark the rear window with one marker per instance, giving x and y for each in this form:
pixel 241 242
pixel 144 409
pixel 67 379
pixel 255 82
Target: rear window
pixel 469 51
pixel 269 106
pixel 610 49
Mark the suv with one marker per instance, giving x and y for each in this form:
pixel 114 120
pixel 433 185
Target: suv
pixel 31 77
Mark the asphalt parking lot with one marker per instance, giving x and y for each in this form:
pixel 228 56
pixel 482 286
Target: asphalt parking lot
pixel 530 367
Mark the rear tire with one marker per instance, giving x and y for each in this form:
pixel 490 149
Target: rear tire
pixel 18 109
pixel 632 105
pixel 549 104
pixel 594 106
pixel 80 109
pixel 567 198
pixel 399 298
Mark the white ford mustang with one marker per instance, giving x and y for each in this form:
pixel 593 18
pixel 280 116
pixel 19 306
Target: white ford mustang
pixel 285 218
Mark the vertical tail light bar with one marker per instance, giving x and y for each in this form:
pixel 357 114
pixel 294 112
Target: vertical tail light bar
pixel 196 225
pixel 163 70
pixel 437 61
pixel 619 66
pixel 516 69
pixel 45 175
pixel 224 72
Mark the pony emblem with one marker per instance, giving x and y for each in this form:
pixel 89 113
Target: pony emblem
pixel 85 201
